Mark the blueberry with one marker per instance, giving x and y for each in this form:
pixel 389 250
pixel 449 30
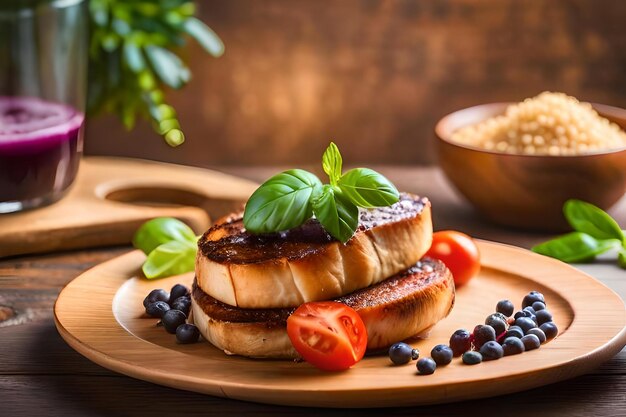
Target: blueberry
pixel 154 296
pixel 157 309
pixel 525 323
pixel 531 297
pixel 491 351
pixel 172 319
pixel 177 291
pixel 505 307
pixel 183 304
pixel 529 309
pixel 483 334
pixel 400 353
pixel 539 333
pixel 497 322
pixel 514 331
pixel 187 333
pixel 513 346
pixel 472 358
pixel 499 315
pixel 550 329
pixel 538 305
pixel 460 342
pixel 531 342
pixel 415 354
pixel 543 316
pixel 426 366
pixel 523 313
pixel 530 313
pixel 441 354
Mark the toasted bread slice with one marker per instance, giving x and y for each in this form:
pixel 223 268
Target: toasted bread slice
pixel 398 308
pixel 306 264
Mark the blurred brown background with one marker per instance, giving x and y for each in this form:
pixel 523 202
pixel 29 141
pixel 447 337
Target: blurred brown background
pixel 372 75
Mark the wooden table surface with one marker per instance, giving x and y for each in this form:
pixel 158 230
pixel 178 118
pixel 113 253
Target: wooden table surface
pixel 41 375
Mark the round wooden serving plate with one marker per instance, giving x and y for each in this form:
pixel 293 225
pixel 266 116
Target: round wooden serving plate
pixel 100 314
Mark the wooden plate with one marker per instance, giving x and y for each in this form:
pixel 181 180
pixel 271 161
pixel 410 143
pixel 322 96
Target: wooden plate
pixel 100 314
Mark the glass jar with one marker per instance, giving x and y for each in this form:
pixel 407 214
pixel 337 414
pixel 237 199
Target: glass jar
pixel 43 69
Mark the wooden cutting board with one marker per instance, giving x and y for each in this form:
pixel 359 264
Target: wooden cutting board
pixel 112 197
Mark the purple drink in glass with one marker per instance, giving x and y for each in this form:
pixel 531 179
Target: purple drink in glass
pixel 40 147
pixel 43 79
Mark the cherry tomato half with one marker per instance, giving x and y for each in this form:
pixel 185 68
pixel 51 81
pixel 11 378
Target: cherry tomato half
pixel 459 252
pixel 328 335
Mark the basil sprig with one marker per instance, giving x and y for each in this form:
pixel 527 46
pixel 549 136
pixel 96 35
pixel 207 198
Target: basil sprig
pixel 290 198
pixel 595 232
pixel 171 247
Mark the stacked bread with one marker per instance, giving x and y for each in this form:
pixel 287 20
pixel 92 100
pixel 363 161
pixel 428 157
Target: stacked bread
pixel 247 285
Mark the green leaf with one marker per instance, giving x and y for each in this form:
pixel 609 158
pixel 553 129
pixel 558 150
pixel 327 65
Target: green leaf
pixel 148 9
pixel 187 9
pixel 175 137
pixel 367 188
pixel 155 232
pixel 621 258
pixel 166 65
pixel 99 12
pixel 146 80
pixel 134 58
pixel 332 163
pixel 338 215
pixel 171 258
pixel 575 247
pixel 167 125
pixel 587 218
pixel 128 115
pixel 174 18
pixel 121 27
pixel 163 112
pixel 110 42
pixel 205 36
pixel 282 202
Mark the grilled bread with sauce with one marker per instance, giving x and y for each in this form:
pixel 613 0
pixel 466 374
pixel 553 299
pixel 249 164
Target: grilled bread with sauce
pixel 398 308
pixel 289 268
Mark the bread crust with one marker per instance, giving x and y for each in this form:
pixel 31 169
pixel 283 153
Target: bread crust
pixel 403 306
pixel 313 267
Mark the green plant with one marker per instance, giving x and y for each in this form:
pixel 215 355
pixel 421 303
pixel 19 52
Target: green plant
pixel 290 198
pixel 595 232
pixel 131 59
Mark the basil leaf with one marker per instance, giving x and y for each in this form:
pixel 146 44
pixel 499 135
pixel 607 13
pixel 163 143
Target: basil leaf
pixel 282 202
pixel 338 215
pixel 587 218
pixel 367 188
pixel 575 247
pixel 621 258
pixel 332 163
pixel 156 232
pixel 171 258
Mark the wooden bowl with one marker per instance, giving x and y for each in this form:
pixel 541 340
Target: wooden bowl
pixel 528 191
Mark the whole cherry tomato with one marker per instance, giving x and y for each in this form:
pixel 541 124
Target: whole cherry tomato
pixel 459 252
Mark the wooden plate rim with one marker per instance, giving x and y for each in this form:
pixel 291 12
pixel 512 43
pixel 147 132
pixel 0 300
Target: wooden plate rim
pixel 574 361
